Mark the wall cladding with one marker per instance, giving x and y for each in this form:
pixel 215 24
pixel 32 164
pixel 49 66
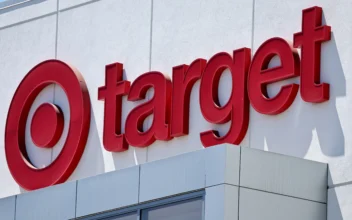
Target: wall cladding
pixel 159 34
pixel 227 197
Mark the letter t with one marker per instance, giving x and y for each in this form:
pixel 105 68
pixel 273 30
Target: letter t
pixel 112 94
pixel 310 39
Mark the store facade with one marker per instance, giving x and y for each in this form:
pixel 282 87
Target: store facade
pixel 182 110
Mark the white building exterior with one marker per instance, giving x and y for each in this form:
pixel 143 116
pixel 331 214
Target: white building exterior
pixel 157 35
pixel 234 183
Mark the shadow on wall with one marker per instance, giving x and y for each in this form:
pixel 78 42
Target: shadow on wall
pixel 334 207
pixel 334 210
pixel 291 132
pixel 92 161
pixel 17 4
pixel 134 155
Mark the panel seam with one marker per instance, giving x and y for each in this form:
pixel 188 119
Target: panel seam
pixel 78 5
pixel 76 199
pixel 57 28
pixel 260 190
pixel 27 21
pixel 55 55
pixel 139 183
pixel 252 53
pixel 150 59
pixel 151 35
pixel 309 200
pixel 14 217
pixel 239 183
pixel 340 184
pixel 253 18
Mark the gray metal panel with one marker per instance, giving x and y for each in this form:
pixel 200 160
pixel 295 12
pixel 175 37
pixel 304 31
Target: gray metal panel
pixel 283 175
pixel 54 203
pixel 107 191
pixel 7 208
pixel 256 205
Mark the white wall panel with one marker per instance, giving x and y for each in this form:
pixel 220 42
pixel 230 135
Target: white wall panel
pixel 315 131
pixel 25 11
pixel 222 165
pixel 54 203
pixel 108 191
pixel 65 4
pixel 283 175
pixel 185 30
pixel 187 173
pixel 221 202
pixel 90 37
pixel 172 176
pixel 105 31
pixel 191 171
pixel 256 205
pixel 8 208
pixel 22 47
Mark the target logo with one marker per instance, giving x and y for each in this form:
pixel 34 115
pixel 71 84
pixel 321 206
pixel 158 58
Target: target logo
pixel 169 106
pixel 47 125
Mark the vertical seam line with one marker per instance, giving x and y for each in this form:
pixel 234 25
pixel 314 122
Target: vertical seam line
pixel 252 53
pixel 76 199
pixel 239 185
pixel 253 18
pixel 57 27
pixel 150 57
pixel 151 35
pixel 55 54
pixel 139 183
pixel 14 217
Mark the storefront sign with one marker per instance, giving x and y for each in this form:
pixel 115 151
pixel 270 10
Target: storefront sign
pixel 169 105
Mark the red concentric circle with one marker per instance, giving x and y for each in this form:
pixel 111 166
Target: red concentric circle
pixel 47 125
pixel 71 81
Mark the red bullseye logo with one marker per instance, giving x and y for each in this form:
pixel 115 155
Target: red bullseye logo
pixel 47 125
